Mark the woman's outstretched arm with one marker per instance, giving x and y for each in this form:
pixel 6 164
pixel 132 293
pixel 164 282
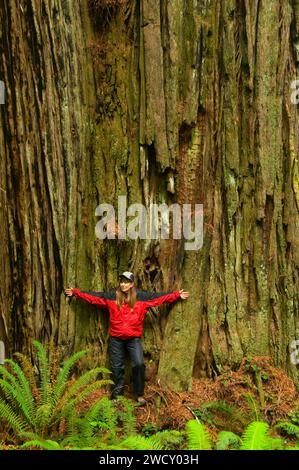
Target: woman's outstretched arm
pixel 109 295
pixel 167 298
pixel 100 301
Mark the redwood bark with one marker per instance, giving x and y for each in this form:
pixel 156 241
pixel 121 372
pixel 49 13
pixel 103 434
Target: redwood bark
pixel 161 101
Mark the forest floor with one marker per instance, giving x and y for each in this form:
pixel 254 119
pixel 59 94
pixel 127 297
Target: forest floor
pixel 256 391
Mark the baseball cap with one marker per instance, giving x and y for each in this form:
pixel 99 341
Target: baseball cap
pixel 127 275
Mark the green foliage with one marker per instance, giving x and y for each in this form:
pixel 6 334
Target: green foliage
pixel 38 404
pixel 126 416
pixel 140 443
pixel 288 428
pixel 220 414
pixel 168 439
pixel 197 436
pixel 253 407
pixel 105 425
pixel 227 440
pixel 149 429
pixel 102 418
pixel 46 444
pixel 294 416
pixel 256 437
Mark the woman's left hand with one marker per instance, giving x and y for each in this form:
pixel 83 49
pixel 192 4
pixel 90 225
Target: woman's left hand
pixel 184 294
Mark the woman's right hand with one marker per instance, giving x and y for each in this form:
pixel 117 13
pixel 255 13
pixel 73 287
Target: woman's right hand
pixel 69 292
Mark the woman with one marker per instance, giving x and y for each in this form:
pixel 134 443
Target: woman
pixel 127 308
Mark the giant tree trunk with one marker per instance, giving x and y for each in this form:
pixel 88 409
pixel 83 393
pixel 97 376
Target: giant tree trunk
pixel 162 101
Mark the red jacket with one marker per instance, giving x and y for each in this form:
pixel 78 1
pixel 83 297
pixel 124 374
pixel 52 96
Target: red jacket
pixel 123 322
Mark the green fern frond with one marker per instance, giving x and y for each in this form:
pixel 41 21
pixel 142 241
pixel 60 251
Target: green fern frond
pixel 28 370
pixel 102 408
pixel 252 406
pixel 71 420
pixel 222 406
pixel 15 396
pixel 14 420
pixel 81 382
pixel 105 446
pixel 289 428
pixel 83 394
pixel 63 375
pixel 8 376
pixel 24 387
pixel 139 443
pixel 168 439
pixel 275 444
pixel 255 436
pixel 29 435
pixel 103 416
pixel 44 368
pixel 294 416
pixel 233 412
pixel 79 441
pixel 197 435
pixel 227 439
pixel 127 417
pixel 42 417
pixel 42 444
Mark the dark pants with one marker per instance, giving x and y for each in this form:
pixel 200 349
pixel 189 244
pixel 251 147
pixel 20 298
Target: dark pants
pixel 117 352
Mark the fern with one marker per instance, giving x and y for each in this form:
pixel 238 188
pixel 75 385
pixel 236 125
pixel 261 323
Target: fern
pixel 227 439
pixel 232 414
pixel 289 428
pixel 102 418
pixel 126 416
pixel 28 371
pixel 253 406
pixel 85 429
pixel 255 436
pixel 198 437
pixel 14 420
pixel 14 395
pixel 275 444
pixel 294 416
pixel 45 383
pixel 42 444
pixel 82 382
pixel 84 393
pixel 40 410
pixel 23 388
pixel 42 417
pixel 139 443
pixel 168 439
pixel 64 375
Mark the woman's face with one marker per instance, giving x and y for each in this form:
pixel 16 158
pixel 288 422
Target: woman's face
pixel 125 285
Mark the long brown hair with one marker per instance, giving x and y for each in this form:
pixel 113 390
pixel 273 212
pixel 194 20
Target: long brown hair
pixel 130 299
